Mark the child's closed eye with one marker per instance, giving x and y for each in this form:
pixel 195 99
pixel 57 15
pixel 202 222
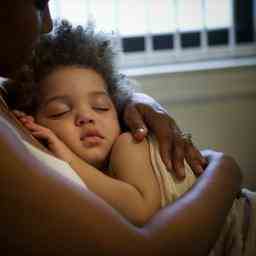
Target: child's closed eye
pixel 60 114
pixel 101 108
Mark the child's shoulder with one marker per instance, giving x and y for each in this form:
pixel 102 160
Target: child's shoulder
pixel 125 141
pixel 126 148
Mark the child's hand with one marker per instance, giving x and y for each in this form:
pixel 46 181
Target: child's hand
pixel 23 117
pixel 54 144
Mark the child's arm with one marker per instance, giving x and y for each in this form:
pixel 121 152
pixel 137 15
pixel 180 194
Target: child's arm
pixel 135 192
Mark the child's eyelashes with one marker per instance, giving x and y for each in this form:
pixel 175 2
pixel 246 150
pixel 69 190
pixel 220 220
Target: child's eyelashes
pixel 98 109
pixel 61 113
pixel 103 109
pixel 58 114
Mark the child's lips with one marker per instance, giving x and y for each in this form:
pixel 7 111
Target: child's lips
pixel 92 138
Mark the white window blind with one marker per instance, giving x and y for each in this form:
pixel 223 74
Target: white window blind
pixel 186 21
pixel 218 14
pixel 154 32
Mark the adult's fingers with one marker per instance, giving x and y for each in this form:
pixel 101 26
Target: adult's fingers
pixel 178 155
pixel 169 139
pixel 134 121
pixel 165 149
pixel 172 155
pixel 194 158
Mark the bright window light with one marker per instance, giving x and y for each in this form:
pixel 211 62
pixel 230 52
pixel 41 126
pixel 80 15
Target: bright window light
pixel 54 9
pixel 190 15
pixel 162 16
pixel 75 11
pixel 159 32
pixel 132 17
pixel 103 13
pixel 218 14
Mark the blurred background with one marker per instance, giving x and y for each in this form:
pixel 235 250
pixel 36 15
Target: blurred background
pixel 196 57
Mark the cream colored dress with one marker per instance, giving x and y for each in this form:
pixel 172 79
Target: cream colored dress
pixel 231 241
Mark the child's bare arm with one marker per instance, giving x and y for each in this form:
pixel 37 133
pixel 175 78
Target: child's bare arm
pixel 130 163
pixel 134 191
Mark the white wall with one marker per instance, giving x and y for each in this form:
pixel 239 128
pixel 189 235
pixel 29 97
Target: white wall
pixel 218 107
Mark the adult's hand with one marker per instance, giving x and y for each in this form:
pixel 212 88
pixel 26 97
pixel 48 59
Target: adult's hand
pixel 143 113
pixel 228 161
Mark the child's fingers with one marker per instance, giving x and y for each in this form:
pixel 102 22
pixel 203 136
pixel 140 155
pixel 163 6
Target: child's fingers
pixel 26 119
pixel 35 127
pixel 30 118
pixel 19 113
pixel 40 131
pixel 51 140
pixel 23 117
pixel 28 124
pixel 40 135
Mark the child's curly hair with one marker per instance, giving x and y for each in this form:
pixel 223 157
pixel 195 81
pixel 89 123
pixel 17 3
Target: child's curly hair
pixel 68 46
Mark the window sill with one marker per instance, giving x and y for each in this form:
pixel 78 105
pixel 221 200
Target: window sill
pixel 190 67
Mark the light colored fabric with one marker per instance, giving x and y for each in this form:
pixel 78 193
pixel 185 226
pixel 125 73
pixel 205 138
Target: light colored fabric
pixel 54 163
pixel 250 244
pixel 231 240
pixel 170 187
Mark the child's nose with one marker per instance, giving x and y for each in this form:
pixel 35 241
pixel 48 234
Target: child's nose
pixel 82 120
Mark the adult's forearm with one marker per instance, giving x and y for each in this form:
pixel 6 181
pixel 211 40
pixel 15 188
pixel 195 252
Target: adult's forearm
pixel 195 220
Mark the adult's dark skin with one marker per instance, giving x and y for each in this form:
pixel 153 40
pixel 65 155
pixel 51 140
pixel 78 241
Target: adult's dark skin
pixel 44 213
